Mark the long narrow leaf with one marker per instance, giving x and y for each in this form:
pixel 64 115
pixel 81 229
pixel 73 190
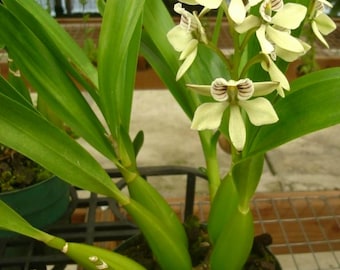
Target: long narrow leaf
pixel 52 148
pixel 170 253
pixel 63 46
pixel 312 105
pixel 46 75
pixel 11 92
pixel 80 253
pixel 118 47
pixel 167 75
pixel 161 55
pixel 12 221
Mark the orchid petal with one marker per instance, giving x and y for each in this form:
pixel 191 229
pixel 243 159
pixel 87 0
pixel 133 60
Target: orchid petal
pixel 186 64
pixel 266 11
pixel 264 88
pixel 325 24
pixel 318 34
pixel 237 129
pixel 289 56
pixel 179 38
pixel 260 111
pixel 189 49
pixel 325 2
pixel 284 40
pixel 249 22
pixel 181 10
pixel 245 89
pixel 275 74
pixel 209 115
pixel 218 89
pixel 237 11
pixel 290 16
pixel 266 46
pixel 200 89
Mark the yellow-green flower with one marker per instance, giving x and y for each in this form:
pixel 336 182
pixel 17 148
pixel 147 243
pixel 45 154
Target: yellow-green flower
pixel 185 37
pixel 322 25
pixel 235 95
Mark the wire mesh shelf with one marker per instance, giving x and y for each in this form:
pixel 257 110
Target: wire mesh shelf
pixel 305 226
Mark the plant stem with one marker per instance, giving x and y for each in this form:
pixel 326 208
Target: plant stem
pixel 209 143
pixel 218 25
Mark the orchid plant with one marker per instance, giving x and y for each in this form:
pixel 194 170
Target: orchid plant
pixel 244 97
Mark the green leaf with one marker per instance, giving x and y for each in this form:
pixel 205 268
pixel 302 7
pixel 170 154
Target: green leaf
pixel 64 47
pixel 223 208
pixel 47 76
pixel 52 148
pixel 101 6
pixel 167 74
pixel 152 200
pixel 15 79
pixel 12 221
pixel 117 60
pixel 7 89
pixel 234 243
pixel 247 174
pixel 311 105
pixel 82 253
pixel 161 55
pixel 138 142
pixel 170 253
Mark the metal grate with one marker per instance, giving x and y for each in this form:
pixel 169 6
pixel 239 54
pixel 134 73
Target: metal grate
pixel 305 226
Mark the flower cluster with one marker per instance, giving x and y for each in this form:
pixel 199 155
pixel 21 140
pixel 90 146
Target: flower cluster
pixel 273 23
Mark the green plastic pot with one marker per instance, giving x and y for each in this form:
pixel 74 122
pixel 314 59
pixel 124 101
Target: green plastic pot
pixel 41 204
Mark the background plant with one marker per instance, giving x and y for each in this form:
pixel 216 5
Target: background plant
pixel 52 62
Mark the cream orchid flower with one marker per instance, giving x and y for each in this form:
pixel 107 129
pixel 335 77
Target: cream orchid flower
pixel 322 25
pixel 237 11
pixel 235 95
pixel 185 37
pixel 211 4
pixel 275 31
